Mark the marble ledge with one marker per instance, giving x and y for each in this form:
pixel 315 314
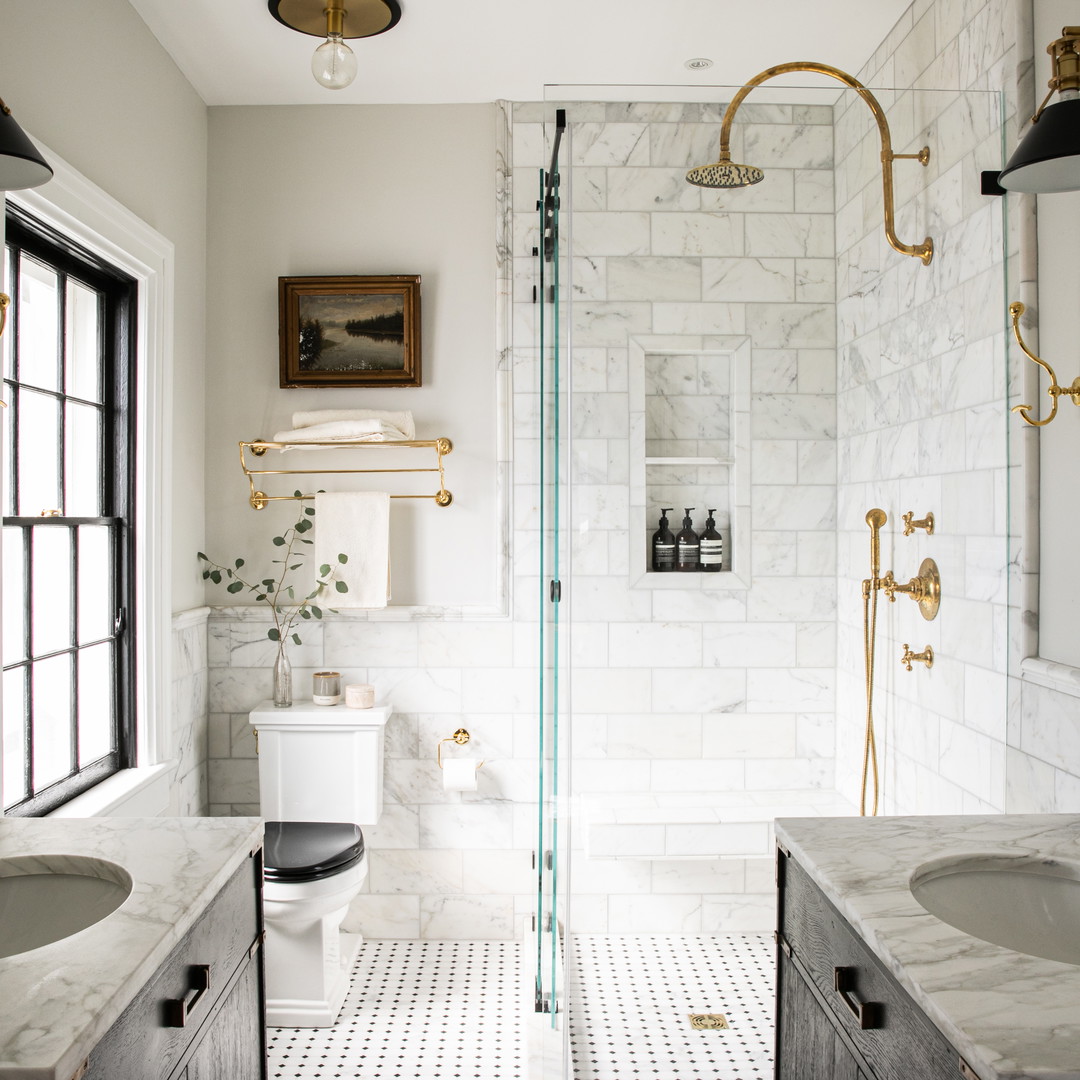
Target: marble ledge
pixel 1008 1014
pixel 60 999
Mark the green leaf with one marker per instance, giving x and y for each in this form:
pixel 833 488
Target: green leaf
pixel 261 597
pixel 239 563
pixel 317 612
pixel 235 587
pixel 273 634
pixel 296 566
pixel 303 541
pixel 303 525
pixel 215 576
pixel 342 558
pixel 324 569
pixel 205 574
pixel 296 639
pixel 268 582
pixel 341 586
pixel 298 494
pixel 304 613
pixel 309 509
pixel 202 556
pixel 279 541
pixel 289 590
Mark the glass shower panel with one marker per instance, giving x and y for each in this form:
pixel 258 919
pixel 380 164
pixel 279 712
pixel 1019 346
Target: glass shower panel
pixel 552 823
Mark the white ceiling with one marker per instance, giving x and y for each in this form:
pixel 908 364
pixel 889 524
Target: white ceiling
pixel 235 53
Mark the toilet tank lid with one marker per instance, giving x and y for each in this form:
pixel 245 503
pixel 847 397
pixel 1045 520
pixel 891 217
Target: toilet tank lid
pixel 306 850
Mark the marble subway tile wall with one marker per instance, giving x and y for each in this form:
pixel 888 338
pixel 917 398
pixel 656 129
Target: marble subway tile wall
pixel 188 743
pixel 922 411
pixel 689 691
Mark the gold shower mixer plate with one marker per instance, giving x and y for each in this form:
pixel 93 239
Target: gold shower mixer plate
pixel 930 599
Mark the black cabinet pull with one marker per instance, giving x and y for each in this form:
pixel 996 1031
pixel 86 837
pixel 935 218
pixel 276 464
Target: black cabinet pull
pixel 178 1012
pixel 867 1013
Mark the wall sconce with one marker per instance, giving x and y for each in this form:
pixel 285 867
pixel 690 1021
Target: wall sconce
pixel 334 63
pixel 21 166
pixel 723 173
pixel 1016 309
pixel 1048 157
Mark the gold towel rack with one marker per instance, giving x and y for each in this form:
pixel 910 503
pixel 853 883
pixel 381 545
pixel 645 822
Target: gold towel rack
pixel 259 500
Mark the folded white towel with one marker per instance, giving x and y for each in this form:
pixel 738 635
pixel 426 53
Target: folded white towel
pixel 356 524
pixel 403 420
pixel 341 431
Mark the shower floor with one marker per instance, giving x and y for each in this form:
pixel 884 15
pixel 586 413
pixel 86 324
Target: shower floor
pixel 630 1000
pixel 421 1010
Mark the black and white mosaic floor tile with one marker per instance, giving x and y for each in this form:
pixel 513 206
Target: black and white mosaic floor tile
pixel 416 1010
pixel 631 999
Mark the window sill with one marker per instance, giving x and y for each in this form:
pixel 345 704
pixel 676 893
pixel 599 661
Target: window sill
pixel 142 792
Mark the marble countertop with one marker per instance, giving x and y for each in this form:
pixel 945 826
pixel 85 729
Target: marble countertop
pixel 58 1000
pixel 1009 1014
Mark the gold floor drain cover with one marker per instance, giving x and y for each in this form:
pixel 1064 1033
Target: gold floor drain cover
pixel 708 1021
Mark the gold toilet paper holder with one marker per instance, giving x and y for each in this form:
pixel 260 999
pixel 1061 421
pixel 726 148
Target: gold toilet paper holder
pixel 461 737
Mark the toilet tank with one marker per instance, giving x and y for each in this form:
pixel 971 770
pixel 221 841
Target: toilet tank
pixel 320 762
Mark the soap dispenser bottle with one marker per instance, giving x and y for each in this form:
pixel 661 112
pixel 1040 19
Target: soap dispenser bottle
pixel 686 545
pixel 663 545
pixel 712 547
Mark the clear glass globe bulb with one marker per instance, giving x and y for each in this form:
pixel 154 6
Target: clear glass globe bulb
pixel 334 63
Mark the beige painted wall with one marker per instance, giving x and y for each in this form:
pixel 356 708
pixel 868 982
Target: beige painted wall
pixel 324 190
pixel 113 104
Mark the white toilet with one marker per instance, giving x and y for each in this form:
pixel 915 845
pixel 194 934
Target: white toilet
pixel 320 779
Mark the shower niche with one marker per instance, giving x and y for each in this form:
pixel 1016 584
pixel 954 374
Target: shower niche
pixel 689 398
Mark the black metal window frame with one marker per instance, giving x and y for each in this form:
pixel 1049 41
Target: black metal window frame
pixel 117 298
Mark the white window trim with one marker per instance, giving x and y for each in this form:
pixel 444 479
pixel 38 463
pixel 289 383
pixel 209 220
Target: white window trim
pixel 94 219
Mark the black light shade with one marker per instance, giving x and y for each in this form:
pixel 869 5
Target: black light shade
pixel 21 166
pixel 1048 157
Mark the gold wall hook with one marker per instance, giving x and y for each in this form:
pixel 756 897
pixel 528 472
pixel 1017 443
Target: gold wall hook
pixel 924 589
pixel 911 523
pixel 1016 309
pixel 925 657
pixel 461 737
pixel 5 300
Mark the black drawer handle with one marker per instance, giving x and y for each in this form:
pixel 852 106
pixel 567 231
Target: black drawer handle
pixel 178 1012
pixel 867 1013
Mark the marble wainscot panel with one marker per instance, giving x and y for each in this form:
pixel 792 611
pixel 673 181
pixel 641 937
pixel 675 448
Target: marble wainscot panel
pixel 61 998
pixel 1007 1013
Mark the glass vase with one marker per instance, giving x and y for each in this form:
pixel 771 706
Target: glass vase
pixel 282 679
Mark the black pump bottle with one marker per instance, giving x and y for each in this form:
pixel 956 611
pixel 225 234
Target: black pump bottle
pixel 712 547
pixel 663 545
pixel 686 546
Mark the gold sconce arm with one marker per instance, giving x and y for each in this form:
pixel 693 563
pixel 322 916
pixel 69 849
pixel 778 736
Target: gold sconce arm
pixel 5 300
pixel 1016 309
pixel 923 251
pixel 925 657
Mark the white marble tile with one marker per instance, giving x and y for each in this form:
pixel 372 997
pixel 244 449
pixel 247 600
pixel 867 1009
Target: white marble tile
pixel 649 189
pixel 697 234
pixel 654 914
pixel 610 144
pixel 742 279
pixel 419 873
pixel 653 278
pixel 384 918
pixel 793 235
pixel 472 827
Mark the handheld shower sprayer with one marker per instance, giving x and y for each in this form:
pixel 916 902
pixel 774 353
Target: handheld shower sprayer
pixel 876 519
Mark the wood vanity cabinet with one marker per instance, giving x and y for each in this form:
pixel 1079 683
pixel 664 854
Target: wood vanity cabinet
pixel 201 1016
pixel 840 1015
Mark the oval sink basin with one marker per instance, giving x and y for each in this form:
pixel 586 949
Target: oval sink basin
pixel 1023 903
pixel 45 898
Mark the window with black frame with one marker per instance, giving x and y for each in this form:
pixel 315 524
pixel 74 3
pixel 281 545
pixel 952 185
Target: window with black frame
pixel 68 656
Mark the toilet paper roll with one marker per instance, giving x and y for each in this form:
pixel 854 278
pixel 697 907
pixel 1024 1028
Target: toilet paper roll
pixel 459 775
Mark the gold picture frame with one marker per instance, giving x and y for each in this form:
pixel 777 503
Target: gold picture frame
pixel 349 331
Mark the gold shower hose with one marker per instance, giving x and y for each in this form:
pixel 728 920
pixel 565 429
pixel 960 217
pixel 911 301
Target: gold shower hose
pixel 869 762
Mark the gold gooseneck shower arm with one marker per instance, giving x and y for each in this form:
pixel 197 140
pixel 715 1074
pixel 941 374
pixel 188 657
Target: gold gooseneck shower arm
pixel 923 251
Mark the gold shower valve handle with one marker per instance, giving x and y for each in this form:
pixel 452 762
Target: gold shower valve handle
pixel 924 589
pixel 911 524
pixel 925 657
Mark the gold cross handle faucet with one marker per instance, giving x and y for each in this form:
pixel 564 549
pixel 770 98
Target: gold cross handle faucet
pixel 925 657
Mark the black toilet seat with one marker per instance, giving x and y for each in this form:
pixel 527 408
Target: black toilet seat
pixel 298 851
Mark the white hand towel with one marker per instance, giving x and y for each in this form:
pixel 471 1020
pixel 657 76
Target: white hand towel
pixel 339 431
pixel 356 524
pixel 403 420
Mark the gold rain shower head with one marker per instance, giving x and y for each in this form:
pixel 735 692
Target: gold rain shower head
pixel 723 173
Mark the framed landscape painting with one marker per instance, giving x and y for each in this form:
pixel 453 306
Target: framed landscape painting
pixel 349 331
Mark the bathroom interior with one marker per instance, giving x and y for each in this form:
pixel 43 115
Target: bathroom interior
pixel 601 340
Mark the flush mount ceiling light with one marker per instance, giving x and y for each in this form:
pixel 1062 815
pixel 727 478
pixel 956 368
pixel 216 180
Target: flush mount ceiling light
pixel 21 166
pixel 1048 157
pixel 334 63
